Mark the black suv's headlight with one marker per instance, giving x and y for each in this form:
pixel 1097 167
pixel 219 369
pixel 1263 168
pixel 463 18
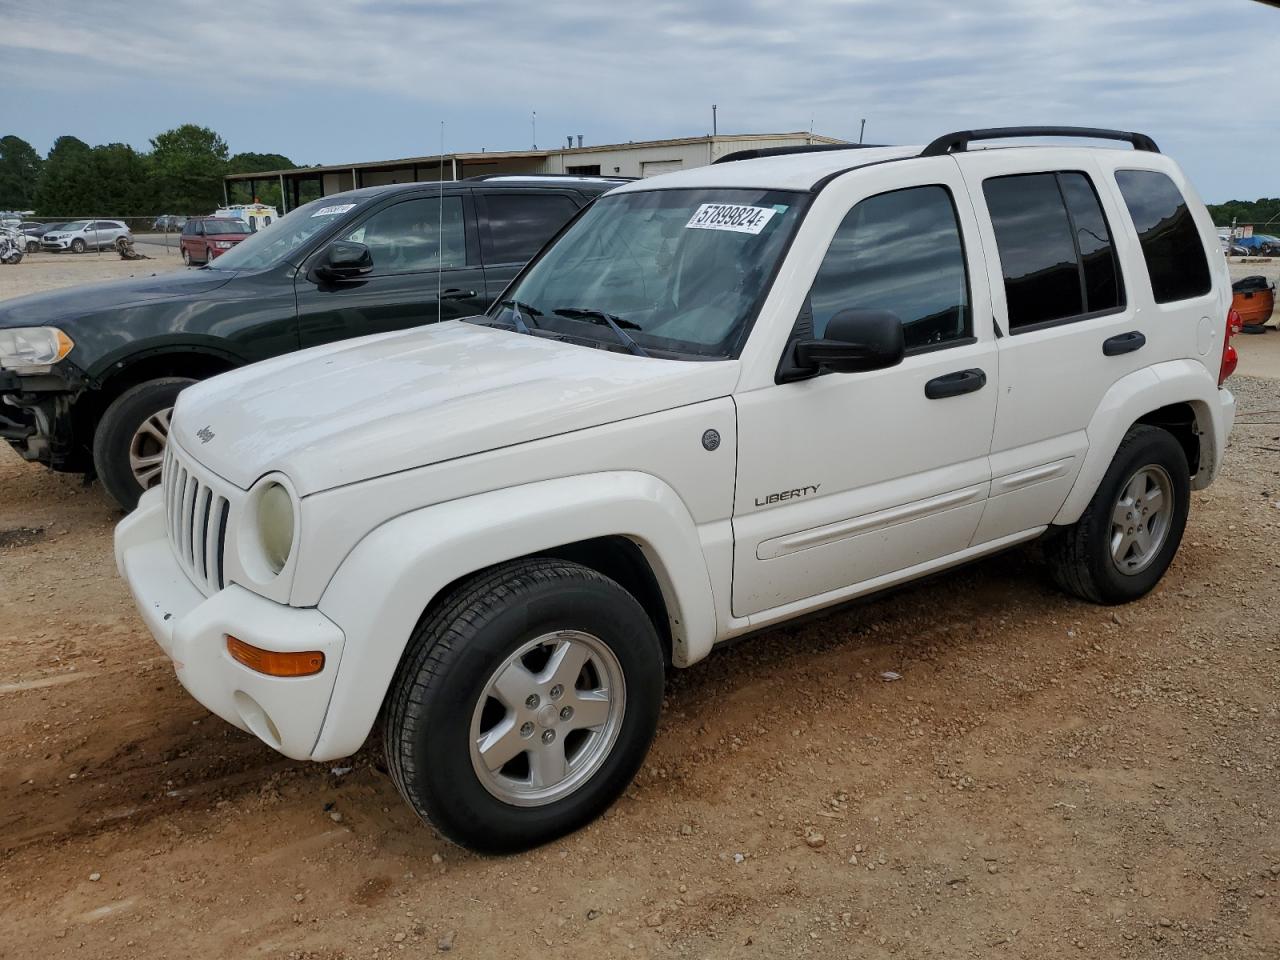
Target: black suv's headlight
pixel 32 349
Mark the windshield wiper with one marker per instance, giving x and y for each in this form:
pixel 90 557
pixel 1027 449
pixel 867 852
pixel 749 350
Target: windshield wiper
pixel 515 306
pixel 603 319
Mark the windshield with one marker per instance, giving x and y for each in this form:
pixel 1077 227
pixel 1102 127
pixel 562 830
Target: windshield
pixel 74 225
pixel 682 271
pixel 266 248
pixel 224 227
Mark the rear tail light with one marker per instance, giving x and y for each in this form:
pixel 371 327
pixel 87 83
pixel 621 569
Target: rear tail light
pixel 1230 359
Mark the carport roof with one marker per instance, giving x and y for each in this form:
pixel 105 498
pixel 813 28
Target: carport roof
pixel 430 160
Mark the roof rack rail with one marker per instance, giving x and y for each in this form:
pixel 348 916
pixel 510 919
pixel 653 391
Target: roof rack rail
pixel 959 141
pixel 784 151
pixel 546 176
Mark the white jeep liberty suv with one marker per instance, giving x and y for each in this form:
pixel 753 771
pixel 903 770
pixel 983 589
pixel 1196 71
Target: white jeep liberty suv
pixel 718 400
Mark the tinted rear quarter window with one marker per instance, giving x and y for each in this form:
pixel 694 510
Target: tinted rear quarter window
pixel 1171 244
pixel 520 223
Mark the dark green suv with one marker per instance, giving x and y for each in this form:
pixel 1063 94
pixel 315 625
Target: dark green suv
pixel 88 375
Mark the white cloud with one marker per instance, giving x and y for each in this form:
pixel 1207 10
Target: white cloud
pixel 636 70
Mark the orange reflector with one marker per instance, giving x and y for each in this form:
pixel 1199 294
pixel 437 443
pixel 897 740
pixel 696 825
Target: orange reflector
pixel 274 664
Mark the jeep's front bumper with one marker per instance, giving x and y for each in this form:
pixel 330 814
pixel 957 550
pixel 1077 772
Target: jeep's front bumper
pixel 286 713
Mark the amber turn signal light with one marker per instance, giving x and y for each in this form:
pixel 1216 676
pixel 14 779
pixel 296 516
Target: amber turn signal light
pixel 274 664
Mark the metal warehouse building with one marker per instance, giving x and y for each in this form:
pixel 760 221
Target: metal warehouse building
pixel 640 159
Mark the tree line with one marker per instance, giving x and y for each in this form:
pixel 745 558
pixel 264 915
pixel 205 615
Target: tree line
pixel 181 173
pixel 1265 210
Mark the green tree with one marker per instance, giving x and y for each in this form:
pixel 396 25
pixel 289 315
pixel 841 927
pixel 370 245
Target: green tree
pixel 19 170
pixel 268 190
pixel 188 163
pixel 124 181
pixel 1264 210
pixel 66 186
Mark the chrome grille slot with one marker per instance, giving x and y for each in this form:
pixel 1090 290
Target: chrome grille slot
pixel 196 515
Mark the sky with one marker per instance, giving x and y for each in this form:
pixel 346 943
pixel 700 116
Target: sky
pixel 366 80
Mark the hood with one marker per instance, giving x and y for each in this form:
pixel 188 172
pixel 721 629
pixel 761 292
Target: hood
pixel 56 306
pixel 365 408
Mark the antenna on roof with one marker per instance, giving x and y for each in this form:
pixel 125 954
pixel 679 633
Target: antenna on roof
pixel 440 233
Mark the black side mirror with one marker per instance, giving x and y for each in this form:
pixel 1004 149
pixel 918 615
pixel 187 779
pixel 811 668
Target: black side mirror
pixel 856 340
pixel 345 260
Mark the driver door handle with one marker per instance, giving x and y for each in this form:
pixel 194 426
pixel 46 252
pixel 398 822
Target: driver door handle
pixel 456 293
pixel 954 384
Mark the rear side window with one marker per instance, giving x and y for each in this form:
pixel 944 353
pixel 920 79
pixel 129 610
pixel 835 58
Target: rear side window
pixel 1170 241
pixel 520 223
pixel 898 251
pixel 1056 252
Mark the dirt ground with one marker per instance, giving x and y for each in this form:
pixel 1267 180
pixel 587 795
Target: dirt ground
pixel 1047 778
pixel 39 272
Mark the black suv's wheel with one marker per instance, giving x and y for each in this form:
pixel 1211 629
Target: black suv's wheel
pixel 128 446
pixel 1127 536
pixel 524 705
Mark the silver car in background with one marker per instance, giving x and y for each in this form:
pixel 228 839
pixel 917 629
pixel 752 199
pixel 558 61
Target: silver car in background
pixel 81 235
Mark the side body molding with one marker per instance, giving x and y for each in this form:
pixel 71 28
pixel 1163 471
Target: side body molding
pixel 1140 393
pixel 385 583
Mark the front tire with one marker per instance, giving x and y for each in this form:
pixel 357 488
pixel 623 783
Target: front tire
pixel 1126 538
pixel 129 444
pixel 524 704
pixel 78 246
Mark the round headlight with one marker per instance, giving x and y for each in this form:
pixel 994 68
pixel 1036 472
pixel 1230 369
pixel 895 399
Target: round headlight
pixel 275 525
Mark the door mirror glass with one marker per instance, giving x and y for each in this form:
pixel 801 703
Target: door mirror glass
pixel 345 260
pixel 855 340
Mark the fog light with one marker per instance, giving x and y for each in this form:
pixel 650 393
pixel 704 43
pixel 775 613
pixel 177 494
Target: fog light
pixel 274 664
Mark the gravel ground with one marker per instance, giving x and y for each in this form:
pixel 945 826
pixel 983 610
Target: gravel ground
pixel 1048 778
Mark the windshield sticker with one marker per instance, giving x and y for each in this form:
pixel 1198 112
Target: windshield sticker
pixel 336 209
pixel 730 216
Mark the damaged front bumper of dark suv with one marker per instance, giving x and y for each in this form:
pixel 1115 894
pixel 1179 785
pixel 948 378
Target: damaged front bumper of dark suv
pixel 36 416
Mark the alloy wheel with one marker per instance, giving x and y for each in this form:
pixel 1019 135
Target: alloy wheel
pixel 146 449
pixel 1141 518
pixel 547 718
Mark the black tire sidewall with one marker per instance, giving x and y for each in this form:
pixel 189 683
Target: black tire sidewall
pixel 1153 446
pixel 448 788
pixel 116 429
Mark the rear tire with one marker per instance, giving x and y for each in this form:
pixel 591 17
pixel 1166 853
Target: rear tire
pixel 475 753
pixel 186 256
pixel 1128 534
pixel 32 246
pixel 128 446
